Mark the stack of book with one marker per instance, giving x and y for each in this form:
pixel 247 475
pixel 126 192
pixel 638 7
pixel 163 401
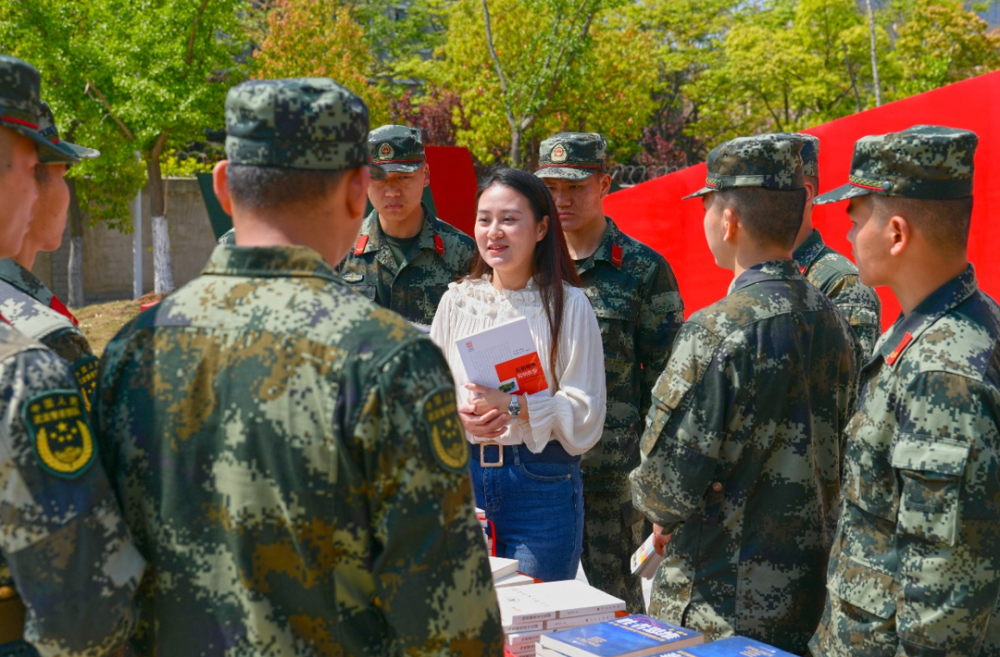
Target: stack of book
pixel 529 613
pixel 737 646
pixel 487 530
pixel 505 573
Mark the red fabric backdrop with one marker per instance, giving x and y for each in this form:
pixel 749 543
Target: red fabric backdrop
pixel 453 185
pixel 653 212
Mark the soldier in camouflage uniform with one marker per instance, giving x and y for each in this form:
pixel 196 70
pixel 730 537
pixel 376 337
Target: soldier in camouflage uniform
pixel 915 567
pixel 404 257
pixel 288 453
pixel 24 300
pixel 68 569
pixel 639 309
pixel 228 237
pixel 830 271
pixel 740 457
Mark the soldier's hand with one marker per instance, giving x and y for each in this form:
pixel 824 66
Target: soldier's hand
pixel 490 425
pixel 659 540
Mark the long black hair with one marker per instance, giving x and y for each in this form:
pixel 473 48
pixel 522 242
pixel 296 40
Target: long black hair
pixel 551 264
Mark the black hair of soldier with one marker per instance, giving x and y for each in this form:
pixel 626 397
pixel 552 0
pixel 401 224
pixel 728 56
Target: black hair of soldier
pixel 944 222
pixel 771 217
pixel 264 188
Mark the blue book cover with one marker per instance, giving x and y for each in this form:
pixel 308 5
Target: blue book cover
pixel 737 646
pixel 631 636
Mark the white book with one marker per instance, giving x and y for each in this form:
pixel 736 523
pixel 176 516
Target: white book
pixel 503 357
pixel 517 579
pixel 551 600
pixel 517 628
pixel 576 621
pixel 523 650
pixel 525 637
pixel 502 567
pixel 542 651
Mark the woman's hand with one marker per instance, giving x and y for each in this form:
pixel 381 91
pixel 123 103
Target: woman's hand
pixel 485 415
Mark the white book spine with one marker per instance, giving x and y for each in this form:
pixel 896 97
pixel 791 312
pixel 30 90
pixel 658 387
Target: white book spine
pixel 576 621
pixel 592 611
pixel 526 637
pixel 523 627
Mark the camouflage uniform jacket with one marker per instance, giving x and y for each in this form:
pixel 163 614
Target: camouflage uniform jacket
pixel 639 310
pixel 917 554
pixel 740 458
pixel 33 310
pixel 289 458
pixel 442 254
pixel 838 278
pixel 63 540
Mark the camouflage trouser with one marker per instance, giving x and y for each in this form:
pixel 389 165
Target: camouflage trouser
pixel 612 531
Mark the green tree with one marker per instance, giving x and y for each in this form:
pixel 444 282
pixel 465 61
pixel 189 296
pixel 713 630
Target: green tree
pixel 320 38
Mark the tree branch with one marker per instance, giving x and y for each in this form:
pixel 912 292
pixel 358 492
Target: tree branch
pixel 104 101
pixel 194 30
pixel 496 62
pixel 554 78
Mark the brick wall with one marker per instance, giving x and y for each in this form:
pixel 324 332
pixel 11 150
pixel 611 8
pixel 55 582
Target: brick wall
pixel 107 254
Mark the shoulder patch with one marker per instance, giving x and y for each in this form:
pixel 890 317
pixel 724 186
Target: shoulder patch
pixel 444 430
pixel 85 371
pixel 62 439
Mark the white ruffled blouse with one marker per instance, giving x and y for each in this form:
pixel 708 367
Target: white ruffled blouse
pixel 574 412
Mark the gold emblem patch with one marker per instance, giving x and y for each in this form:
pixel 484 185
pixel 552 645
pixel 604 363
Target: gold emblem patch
pixel 385 151
pixel 445 431
pixel 85 371
pixel 57 424
pixel 559 153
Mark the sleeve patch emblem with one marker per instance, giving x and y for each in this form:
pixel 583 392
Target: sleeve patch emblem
pixel 445 431
pixel 57 423
pixel 85 371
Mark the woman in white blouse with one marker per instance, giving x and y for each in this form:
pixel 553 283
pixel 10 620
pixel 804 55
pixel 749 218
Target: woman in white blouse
pixel 526 448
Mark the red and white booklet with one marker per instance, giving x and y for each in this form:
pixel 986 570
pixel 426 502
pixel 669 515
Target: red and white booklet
pixel 504 357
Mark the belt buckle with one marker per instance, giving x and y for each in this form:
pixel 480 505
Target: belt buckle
pixel 483 463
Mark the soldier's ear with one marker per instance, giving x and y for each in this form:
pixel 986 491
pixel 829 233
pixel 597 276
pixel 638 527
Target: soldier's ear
pixel 356 191
pixel 899 233
pixel 731 224
pixel 220 183
pixel 427 173
pixel 605 183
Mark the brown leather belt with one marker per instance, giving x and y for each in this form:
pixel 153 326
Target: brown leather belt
pixel 11 616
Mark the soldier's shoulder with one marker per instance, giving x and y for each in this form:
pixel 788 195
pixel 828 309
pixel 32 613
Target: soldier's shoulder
pixel 453 236
pixel 13 342
pixel 830 267
pixel 964 341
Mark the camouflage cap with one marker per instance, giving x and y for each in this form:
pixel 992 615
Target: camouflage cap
pixel 68 153
pixel 773 161
pixel 20 105
pixel 925 162
pixel 810 155
pixel 301 123
pixel 397 148
pixel 571 155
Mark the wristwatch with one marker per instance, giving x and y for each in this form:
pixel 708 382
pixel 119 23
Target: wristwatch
pixel 514 408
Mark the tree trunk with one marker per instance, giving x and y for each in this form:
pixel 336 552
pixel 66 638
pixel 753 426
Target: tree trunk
pixel 871 28
pixel 515 148
pixel 163 270
pixel 74 273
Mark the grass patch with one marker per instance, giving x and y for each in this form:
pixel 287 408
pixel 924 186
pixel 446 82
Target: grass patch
pixel 101 321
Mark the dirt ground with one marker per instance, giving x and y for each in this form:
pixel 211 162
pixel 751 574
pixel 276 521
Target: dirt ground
pixel 101 321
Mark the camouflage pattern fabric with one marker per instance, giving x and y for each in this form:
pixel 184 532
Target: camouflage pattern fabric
pixel 925 161
pixel 228 237
pixel 740 459
pixel 63 541
pixel 29 306
pixel 62 151
pixel 837 278
pixel 397 148
pixel 773 161
pixel 303 123
pixel 810 155
pixel 21 107
pixel 289 456
pixel 915 567
pixel 571 155
pixel 442 254
pixel 639 310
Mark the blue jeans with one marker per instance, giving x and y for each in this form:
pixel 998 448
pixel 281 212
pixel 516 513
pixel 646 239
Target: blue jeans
pixel 536 503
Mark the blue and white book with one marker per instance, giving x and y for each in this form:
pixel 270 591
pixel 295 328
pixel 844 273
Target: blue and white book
pixel 736 646
pixel 631 636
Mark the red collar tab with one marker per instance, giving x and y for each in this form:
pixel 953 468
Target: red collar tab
pixel 4 320
pixel 359 248
pixel 61 308
pixel 803 269
pixel 616 255
pixel 439 245
pixel 898 351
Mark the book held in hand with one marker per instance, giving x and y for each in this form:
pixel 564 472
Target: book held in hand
pixel 645 560
pixel 504 357
pixel 631 636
